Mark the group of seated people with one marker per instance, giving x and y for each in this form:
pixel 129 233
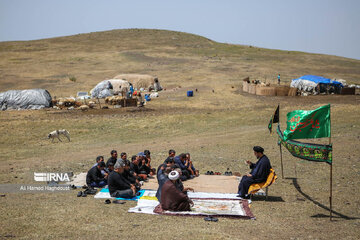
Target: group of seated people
pixel 171 192
pixel 139 169
pixel 124 178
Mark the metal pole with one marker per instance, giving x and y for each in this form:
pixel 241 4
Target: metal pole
pixel 330 198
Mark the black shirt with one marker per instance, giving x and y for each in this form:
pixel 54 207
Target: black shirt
pixel 128 176
pixel 111 160
pixel 134 168
pixel 261 169
pixel 144 169
pixel 94 175
pixel 117 182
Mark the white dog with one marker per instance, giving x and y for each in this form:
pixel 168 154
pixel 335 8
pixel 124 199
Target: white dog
pixel 56 134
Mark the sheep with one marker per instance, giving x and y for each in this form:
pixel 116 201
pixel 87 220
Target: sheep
pixel 56 134
pixel 154 95
pixel 91 104
pixel 84 107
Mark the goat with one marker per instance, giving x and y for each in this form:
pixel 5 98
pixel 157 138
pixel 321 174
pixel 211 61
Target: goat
pixel 56 134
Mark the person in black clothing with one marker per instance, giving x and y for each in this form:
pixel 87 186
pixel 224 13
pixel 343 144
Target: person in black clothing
pixel 110 167
pixel 135 170
pixel 101 159
pixel 123 156
pixel 113 157
pixel 95 178
pixel 167 163
pixel 190 166
pixel 148 162
pixel 171 154
pixel 119 187
pixel 259 173
pixel 147 155
pixel 130 176
pixel 143 165
pixel 98 159
pixel 181 162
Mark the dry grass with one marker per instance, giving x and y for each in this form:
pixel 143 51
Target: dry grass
pixel 218 128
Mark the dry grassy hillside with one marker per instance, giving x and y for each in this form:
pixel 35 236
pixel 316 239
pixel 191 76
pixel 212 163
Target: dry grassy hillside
pixel 176 58
pixel 219 128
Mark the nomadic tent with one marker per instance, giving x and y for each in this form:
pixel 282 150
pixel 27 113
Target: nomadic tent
pixel 309 83
pixel 110 87
pixel 102 89
pixel 138 81
pixel 25 99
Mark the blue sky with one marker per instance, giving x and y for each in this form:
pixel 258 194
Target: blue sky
pixel 319 26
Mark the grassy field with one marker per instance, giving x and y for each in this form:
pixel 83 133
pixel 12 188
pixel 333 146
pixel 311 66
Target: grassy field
pixel 217 127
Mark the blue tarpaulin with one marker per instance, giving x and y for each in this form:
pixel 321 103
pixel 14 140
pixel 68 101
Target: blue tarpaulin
pixel 319 79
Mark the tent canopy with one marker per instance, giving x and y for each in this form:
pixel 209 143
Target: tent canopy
pixel 318 79
pixel 102 90
pixel 25 99
pixel 109 87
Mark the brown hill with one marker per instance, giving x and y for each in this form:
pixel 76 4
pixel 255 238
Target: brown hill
pixel 65 65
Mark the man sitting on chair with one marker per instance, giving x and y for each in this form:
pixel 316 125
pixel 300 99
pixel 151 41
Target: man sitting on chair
pixel 259 173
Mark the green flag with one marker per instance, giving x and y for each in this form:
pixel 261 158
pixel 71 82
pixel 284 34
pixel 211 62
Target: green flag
pixel 308 124
pixel 308 151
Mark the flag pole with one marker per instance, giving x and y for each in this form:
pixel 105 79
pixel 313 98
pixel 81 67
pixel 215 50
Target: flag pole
pixel 330 198
pixel 282 171
pixel 282 168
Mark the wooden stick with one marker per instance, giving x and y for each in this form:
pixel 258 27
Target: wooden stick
pixel 282 168
pixel 282 171
pixel 99 102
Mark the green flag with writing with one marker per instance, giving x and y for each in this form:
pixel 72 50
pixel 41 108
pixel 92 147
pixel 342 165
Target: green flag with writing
pixel 308 124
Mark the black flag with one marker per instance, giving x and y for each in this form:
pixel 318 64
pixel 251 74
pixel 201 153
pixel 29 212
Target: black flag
pixel 276 115
pixel 274 119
